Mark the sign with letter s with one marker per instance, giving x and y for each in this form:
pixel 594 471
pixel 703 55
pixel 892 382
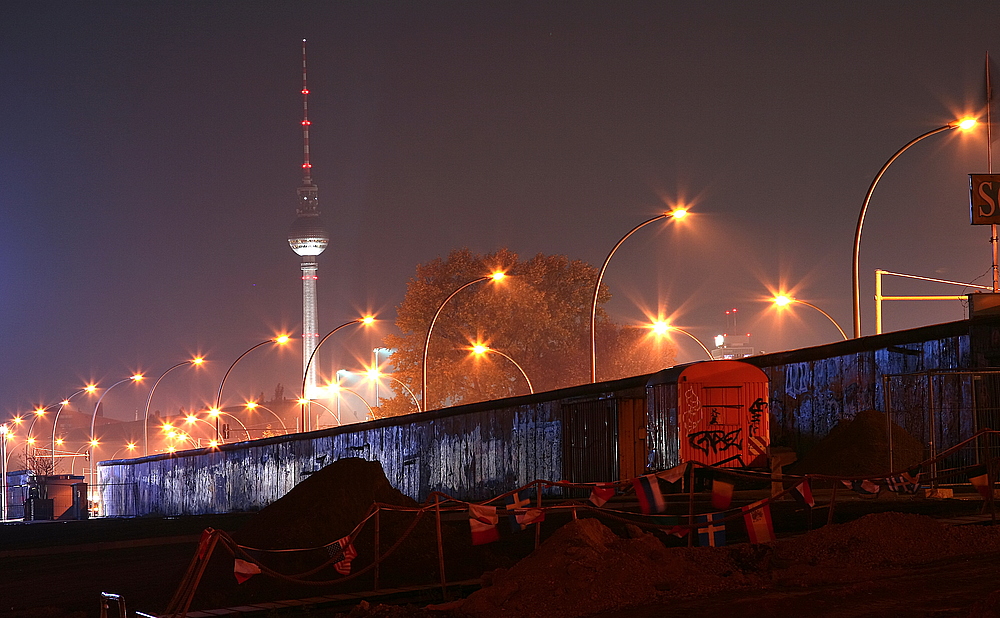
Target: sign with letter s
pixel 984 201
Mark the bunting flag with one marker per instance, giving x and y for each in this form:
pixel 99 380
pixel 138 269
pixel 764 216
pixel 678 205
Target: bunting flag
pixel 526 517
pixel 803 493
pixel 602 493
pixel 757 516
pixel 483 522
pixel 722 494
pixel 244 570
pixel 341 553
pixel 714 534
pixel 673 474
pixel 864 487
pixel 905 483
pixel 647 489
pixel 980 480
pixel 515 501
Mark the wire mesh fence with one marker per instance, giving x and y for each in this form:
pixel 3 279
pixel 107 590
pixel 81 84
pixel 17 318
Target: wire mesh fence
pixel 942 409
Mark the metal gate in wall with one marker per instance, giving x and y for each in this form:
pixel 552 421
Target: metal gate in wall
pixel 604 440
pixel 943 408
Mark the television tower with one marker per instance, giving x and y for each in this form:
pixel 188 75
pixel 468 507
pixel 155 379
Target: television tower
pixel 308 238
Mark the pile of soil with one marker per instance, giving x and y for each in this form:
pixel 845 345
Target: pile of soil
pixel 860 447
pixel 323 508
pixel 584 568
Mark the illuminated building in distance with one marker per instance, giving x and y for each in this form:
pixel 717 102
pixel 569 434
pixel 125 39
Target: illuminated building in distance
pixel 308 238
pixel 731 344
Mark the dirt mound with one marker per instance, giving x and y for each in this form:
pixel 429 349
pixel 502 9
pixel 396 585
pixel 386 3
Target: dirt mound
pixel 860 447
pixel 323 508
pixel 887 540
pixel 585 568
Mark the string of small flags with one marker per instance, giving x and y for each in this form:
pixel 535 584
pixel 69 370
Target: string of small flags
pixel 710 528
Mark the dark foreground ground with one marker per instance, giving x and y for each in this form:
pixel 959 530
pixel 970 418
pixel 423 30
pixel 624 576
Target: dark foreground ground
pixel 939 589
pixel 59 569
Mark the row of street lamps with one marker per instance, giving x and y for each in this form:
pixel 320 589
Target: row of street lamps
pixel 660 327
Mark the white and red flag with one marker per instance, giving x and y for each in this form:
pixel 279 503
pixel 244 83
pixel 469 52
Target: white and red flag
pixel 600 494
pixel 244 570
pixel 758 519
pixel 483 522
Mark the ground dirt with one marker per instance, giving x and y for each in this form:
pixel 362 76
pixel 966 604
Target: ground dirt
pixel 880 556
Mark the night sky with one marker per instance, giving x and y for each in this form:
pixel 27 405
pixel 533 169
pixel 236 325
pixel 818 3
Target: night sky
pixel 150 152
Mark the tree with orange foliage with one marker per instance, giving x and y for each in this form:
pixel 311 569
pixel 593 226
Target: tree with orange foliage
pixel 538 316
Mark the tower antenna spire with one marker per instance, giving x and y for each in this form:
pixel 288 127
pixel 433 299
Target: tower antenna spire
pixel 306 166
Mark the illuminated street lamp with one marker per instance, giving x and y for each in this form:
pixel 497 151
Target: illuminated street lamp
pixel 90 388
pixel 39 412
pixel 676 214
pixel 377 363
pixel 216 413
pixel 375 375
pixel 280 340
pixel 335 415
pixel 782 300
pixel 663 328
pixel 253 405
pixel 145 417
pixel 496 276
pixel 304 397
pixel 337 389
pixel 964 124
pixel 136 378
pixel 480 349
pixel 4 433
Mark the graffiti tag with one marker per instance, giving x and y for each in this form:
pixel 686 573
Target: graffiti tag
pixel 757 409
pixel 715 440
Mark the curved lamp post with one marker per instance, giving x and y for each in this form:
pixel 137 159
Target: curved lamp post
pixel 495 276
pixel 216 413
pixel 305 398
pixel 137 377
pixel 964 124
pixel 280 340
pixel 90 388
pixel 663 328
pixel 39 412
pixel 335 415
pixel 375 375
pixel 675 214
pixel 145 417
pixel 337 389
pixel 4 430
pixel 480 349
pixel 783 301
pixel 253 405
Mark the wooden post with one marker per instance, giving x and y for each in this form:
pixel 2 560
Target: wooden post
pixel 378 556
pixel 538 525
pixel 833 500
pixel 440 543
pixel 991 496
pixel 691 529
